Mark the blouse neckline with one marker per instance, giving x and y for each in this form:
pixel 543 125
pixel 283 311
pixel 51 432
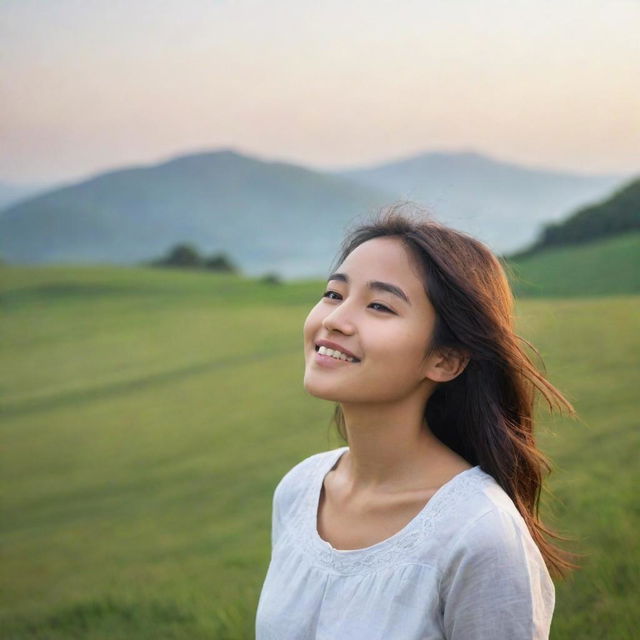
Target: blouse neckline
pixel 355 560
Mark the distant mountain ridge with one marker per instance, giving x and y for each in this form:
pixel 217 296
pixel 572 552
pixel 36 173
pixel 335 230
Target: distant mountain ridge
pixel 500 203
pixel 11 193
pixel 618 214
pixel 265 215
pixel 276 216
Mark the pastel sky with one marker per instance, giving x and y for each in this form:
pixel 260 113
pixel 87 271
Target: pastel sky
pixel 89 85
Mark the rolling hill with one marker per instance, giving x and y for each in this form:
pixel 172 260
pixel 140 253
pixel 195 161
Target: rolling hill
pixel 266 215
pixel 273 216
pixel 609 266
pixel 500 203
pixel 618 214
pixel 12 193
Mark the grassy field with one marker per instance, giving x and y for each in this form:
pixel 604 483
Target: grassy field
pixel 604 267
pixel 147 416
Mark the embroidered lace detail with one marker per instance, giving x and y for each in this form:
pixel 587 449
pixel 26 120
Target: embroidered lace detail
pixel 304 531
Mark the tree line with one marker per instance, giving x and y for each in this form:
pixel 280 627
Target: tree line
pixel 186 255
pixel 618 214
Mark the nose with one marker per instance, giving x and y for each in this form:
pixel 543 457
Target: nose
pixel 338 320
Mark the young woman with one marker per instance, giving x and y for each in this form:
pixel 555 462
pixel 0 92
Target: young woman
pixel 425 525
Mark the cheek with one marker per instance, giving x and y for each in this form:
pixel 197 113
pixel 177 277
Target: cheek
pixel 397 373
pixel 311 324
pixel 405 360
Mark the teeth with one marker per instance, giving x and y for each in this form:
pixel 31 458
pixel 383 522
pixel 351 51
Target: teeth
pixel 334 353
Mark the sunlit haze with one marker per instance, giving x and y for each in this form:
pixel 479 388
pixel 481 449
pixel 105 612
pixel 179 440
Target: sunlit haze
pixel 89 85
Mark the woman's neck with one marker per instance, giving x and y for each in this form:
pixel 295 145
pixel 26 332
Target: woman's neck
pixel 391 450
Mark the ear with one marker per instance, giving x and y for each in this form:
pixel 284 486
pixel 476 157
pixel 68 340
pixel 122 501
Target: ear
pixel 446 363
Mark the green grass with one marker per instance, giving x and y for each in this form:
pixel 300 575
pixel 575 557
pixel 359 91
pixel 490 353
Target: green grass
pixel 605 267
pixel 147 415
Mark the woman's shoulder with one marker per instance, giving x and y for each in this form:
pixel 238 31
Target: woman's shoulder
pixel 308 465
pixel 489 526
pixel 484 508
pixel 492 562
pixel 295 481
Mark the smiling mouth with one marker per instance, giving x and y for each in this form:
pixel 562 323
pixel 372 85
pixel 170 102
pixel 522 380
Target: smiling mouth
pixel 354 361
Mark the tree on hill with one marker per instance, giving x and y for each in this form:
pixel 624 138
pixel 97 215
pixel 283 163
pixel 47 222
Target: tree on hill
pixel 187 256
pixel 271 278
pixel 618 214
pixel 220 262
pixel 183 255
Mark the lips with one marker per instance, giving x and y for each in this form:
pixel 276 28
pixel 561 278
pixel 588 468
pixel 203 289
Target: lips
pixel 336 346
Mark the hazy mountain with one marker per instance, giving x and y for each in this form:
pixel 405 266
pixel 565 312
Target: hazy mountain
pixel 12 193
pixel 274 216
pixel 617 215
pixel 502 204
pixel 265 215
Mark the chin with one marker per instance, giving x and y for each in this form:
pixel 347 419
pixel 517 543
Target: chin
pixel 317 391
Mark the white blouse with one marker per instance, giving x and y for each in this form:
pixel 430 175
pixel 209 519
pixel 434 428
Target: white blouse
pixel 464 568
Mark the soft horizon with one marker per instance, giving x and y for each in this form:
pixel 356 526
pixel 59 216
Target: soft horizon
pixel 82 177
pixel 543 84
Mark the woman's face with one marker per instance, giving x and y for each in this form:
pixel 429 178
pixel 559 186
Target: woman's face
pixel 388 335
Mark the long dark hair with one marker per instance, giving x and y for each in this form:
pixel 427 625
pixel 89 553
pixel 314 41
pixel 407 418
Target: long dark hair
pixel 486 413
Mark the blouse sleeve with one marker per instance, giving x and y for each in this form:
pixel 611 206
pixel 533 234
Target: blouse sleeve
pixel 495 585
pixel 287 493
pixel 276 518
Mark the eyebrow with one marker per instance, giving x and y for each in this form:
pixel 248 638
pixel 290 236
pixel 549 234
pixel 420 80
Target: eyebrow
pixel 376 285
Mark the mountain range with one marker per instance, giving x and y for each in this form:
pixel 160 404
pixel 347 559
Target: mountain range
pixel 280 217
pixel 502 204
pixel 13 193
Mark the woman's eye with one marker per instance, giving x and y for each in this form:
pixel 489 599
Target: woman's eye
pixel 377 304
pixel 381 307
